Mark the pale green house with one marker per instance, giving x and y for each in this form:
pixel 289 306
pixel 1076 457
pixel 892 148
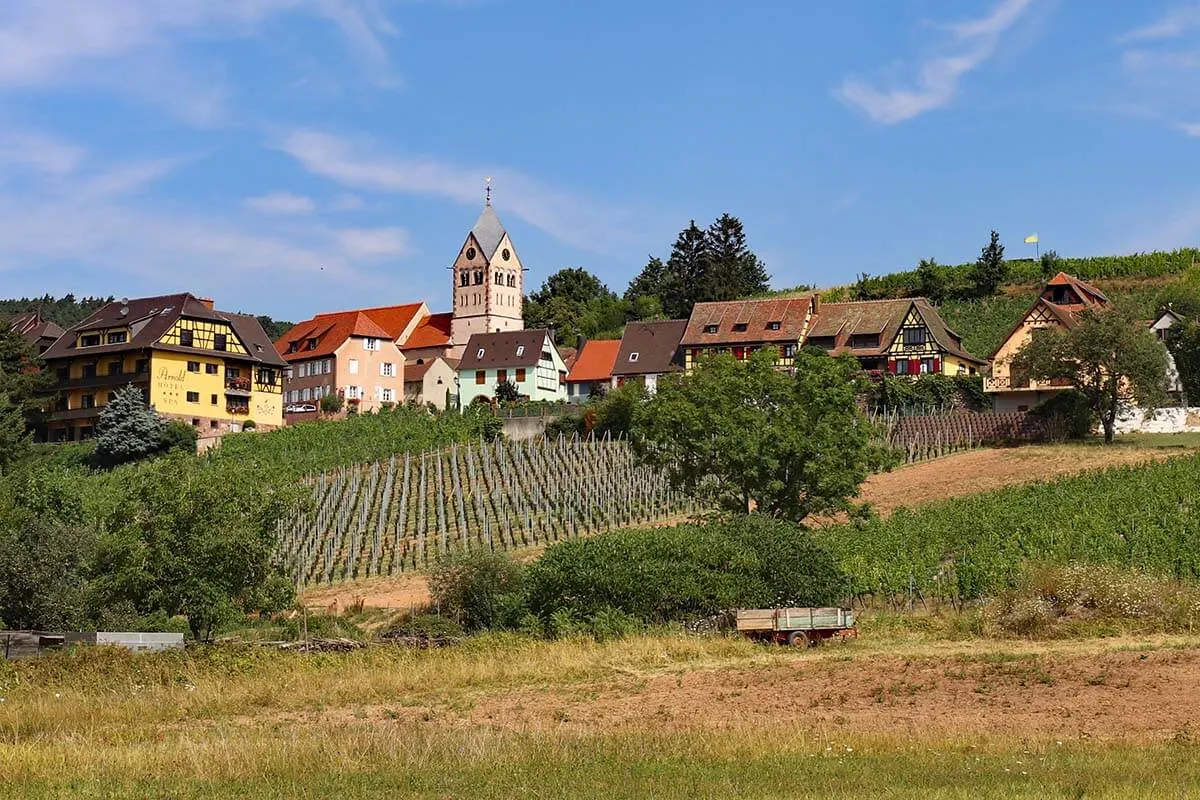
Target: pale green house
pixel 528 359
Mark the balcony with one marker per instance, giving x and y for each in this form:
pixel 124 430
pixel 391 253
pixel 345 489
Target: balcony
pixel 237 387
pixel 1005 383
pixel 67 415
pixel 104 381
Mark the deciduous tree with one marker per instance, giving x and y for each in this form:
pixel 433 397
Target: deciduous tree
pixel 931 280
pixel 754 438
pixel 1110 357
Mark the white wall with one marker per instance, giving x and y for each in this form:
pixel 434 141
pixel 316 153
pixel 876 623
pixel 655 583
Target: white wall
pixel 1163 420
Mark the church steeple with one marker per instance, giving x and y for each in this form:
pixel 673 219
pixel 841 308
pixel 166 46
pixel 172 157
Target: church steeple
pixel 488 281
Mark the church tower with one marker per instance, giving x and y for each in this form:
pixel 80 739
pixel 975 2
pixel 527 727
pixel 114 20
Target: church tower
pixel 488 282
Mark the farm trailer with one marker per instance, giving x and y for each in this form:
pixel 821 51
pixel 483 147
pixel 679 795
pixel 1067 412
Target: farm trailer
pixel 799 627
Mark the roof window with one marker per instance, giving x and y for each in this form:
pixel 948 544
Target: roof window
pixel 710 328
pixel 520 350
pixel 480 353
pixel 774 325
pixel 312 344
pixel 739 327
pixel 633 357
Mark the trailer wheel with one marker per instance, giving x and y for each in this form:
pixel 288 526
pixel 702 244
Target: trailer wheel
pixel 798 639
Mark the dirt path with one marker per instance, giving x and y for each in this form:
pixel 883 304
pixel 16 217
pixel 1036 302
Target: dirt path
pixel 1138 696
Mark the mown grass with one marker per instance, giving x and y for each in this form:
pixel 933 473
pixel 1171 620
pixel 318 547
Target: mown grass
pixel 244 721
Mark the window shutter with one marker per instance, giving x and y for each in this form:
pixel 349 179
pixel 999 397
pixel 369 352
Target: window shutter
pixel 892 366
pixel 937 365
pixel 914 366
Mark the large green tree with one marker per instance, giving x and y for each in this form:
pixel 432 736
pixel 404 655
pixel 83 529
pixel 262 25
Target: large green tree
pixel 1184 342
pixel 193 537
pixel 931 281
pixel 14 438
pixel 23 376
pixel 576 303
pixel 128 428
pixel 751 437
pixel 1110 357
pixel 733 270
pixel 990 269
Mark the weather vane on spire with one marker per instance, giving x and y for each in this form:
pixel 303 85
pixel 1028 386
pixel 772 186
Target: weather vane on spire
pixel 488 184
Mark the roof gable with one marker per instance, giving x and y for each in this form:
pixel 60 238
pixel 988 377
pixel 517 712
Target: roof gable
pixel 650 348
pixel 595 361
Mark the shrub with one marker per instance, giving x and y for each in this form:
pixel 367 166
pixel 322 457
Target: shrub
pixel 479 589
pixel 178 435
pixel 1069 409
pixel 249 425
pixel 678 574
pixel 331 403
pixel 425 626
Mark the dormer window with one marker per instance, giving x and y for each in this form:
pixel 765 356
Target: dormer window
pixel 739 327
pixel 312 344
pixel 774 325
pixel 293 347
pixel 710 328
pixel 633 357
pixel 90 340
pixel 117 337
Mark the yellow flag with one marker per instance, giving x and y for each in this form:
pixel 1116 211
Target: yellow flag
pixel 1031 239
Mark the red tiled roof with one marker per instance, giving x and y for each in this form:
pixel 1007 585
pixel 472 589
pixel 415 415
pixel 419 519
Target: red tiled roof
pixel 433 331
pixel 332 330
pixel 748 321
pixel 393 319
pixel 595 361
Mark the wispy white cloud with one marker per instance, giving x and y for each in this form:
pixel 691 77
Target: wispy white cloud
pixel 1190 128
pixel 280 203
pixel 971 44
pixel 1175 22
pixel 129 44
pixel 373 242
pixel 567 216
pixel 37 152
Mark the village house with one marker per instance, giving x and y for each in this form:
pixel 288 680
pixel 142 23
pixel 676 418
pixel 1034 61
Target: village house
pixel 1059 305
pixel 433 381
pixel 528 359
pixel 346 354
pixel 38 332
pixel 591 370
pixel 212 369
pixel 1161 327
pixel 904 336
pixel 740 327
pixel 649 350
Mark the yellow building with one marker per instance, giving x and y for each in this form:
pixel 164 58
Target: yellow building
pixel 1061 301
pixel 212 369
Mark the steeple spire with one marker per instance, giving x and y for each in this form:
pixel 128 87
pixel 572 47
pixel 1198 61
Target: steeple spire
pixel 488 183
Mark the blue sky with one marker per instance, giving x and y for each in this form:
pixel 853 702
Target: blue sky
pixel 294 156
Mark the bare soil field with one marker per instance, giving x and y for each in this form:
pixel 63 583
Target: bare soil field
pixel 953 476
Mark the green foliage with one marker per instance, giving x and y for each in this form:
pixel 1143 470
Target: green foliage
pixel 705 264
pixel 985 323
pixel 1050 263
pixel 425 626
pixel 681 573
pixel 14 439
pixel 1110 357
pixel 178 435
pixel 969 547
pixel 1071 409
pixel 931 281
pixel 1184 343
pixel 272 327
pixel 748 436
pixel 192 537
pixel 933 391
pixel 331 404
pixel 479 589
pixel 22 375
pixel 507 392
pixel 66 311
pixel 128 428
pixel 991 269
pixel 322 445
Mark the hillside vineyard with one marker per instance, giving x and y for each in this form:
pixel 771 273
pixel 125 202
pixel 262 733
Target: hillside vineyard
pixel 400 514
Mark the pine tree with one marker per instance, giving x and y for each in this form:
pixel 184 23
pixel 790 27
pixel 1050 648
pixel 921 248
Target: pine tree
pixel 687 272
pixel 991 269
pixel 14 440
pixel 733 270
pixel 128 428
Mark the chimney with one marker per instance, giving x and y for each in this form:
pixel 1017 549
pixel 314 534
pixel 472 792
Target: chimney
pixel 816 303
pixel 207 302
pixel 579 340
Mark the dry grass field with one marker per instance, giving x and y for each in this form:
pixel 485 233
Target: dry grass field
pixel 662 715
